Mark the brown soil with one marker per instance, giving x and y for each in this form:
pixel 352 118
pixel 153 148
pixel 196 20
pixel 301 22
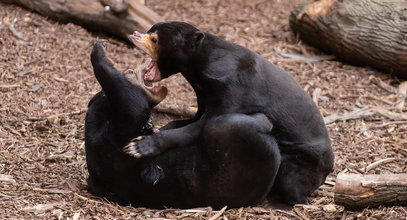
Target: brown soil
pixel 45 86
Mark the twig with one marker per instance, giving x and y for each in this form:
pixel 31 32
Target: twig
pixel 78 112
pixel 378 99
pixel 389 114
pixel 30 62
pixel 186 112
pixel 381 125
pixel 315 95
pixel 9 86
pixel 217 215
pixel 17 34
pixel 355 114
pixel 25 72
pixel 36 88
pixel 33 119
pixel 378 163
pixel 36 23
pixel 59 79
pixel 382 84
pixel 51 191
pixel 364 112
pixel 307 58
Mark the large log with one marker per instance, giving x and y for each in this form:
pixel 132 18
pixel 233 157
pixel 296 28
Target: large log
pixel 361 32
pixel 356 191
pixel 118 18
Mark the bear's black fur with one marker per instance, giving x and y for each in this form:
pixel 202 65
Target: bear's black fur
pixel 231 79
pixel 232 161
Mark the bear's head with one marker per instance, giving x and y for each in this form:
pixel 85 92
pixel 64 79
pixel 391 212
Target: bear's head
pixel 172 47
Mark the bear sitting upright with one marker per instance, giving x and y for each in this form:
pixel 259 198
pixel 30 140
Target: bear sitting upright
pixel 231 79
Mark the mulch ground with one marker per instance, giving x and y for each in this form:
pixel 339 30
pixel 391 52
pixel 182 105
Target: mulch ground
pixel 46 81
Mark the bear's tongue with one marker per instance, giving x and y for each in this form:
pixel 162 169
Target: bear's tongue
pixel 150 72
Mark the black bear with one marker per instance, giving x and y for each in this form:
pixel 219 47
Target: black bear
pixel 232 161
pixel 231 79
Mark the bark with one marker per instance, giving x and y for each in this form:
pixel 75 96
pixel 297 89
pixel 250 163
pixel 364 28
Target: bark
pixel 118 18
pixel 355 191
pixel 361 32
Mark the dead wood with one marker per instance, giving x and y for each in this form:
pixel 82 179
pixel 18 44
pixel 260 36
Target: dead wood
pixel 176 111
pixel 356 191
pixel 361 32
pixel 118 18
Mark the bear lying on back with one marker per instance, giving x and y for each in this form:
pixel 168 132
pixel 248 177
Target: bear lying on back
pixel 233 160
pixel 230 79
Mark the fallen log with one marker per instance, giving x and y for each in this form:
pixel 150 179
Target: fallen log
pixel 361 32
pixel 118 18
pixel 355 191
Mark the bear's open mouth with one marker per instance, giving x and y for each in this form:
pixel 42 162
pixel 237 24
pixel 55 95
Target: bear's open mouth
pixel 154 90
pixel 148 70
pixel 148 44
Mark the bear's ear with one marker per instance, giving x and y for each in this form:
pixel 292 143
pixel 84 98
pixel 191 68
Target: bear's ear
pixel 199 36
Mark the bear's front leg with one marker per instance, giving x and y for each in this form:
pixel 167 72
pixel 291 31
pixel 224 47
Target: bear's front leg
pixel 143 146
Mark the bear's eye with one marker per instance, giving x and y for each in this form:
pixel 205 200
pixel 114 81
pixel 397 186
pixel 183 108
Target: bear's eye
pixel 154 40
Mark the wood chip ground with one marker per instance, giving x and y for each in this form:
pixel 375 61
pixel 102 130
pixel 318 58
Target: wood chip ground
pixel 46 81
